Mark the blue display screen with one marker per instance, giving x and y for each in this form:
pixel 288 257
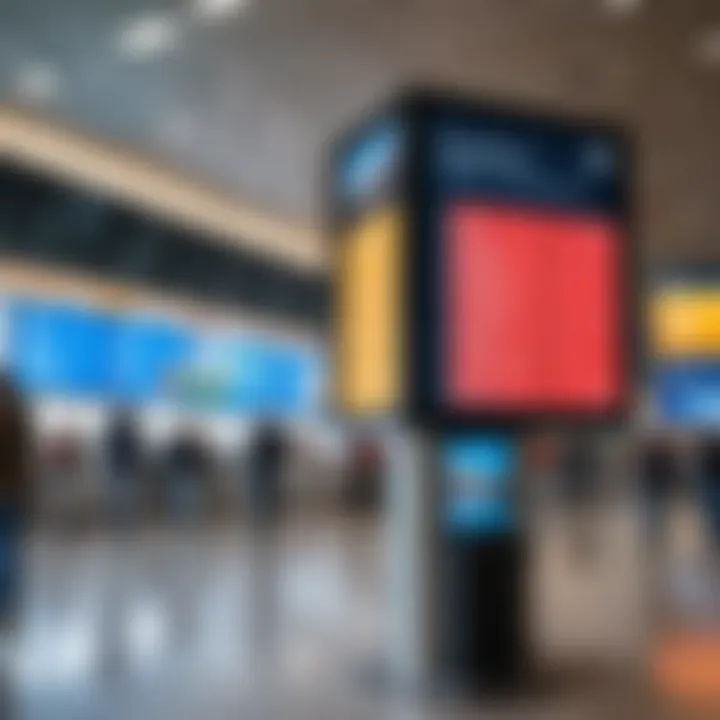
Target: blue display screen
pixel 73 351
pixel 479 471
pixel 528 161
pixel 369 165
pixel 60 349
pixel 244 375
pixel 274 378
pixel 148 355
pixel 688 393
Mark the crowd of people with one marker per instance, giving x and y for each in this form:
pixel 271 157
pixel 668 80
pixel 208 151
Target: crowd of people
pixel 180 474
pixel 123 477
pixel 663 469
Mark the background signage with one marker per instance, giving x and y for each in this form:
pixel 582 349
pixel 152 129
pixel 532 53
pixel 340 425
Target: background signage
pixel 74 351
pixel 688 393
pixel 685 342
pixel 60 349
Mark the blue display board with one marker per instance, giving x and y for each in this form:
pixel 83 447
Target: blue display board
pixel 688 393
pixel 270 378
pixel 244 375
pixel 149 353
pixel 211 372
pixel 60 349
pixel 74 351
pixel 479 471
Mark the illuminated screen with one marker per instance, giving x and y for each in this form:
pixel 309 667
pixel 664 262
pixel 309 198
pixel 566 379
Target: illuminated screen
pixel 532 310
pixel 58 349
pixel 479 494
pixel 685 322
pixel 370 314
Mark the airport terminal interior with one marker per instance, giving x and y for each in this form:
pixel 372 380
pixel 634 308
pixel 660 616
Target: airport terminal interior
pixel 359 359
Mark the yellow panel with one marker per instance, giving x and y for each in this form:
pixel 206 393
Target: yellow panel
pixel 370 315
pixel 687 322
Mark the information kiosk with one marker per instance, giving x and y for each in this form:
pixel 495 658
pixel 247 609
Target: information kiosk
pixel 483 290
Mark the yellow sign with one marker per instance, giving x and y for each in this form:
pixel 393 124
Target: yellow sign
pixel 370 314
pixel 686 322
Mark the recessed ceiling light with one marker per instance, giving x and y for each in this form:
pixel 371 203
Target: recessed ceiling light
pixel 37 81
pixel 707 48
pixel 623 7
pixel 216 10
pixel 148 36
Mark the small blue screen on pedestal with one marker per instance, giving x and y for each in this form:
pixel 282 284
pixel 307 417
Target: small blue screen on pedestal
pixel 479 472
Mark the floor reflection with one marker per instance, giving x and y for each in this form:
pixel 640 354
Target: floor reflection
pixel 204 623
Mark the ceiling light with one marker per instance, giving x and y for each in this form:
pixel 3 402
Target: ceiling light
pixel 37 81
pixel 148 36
pixel 216 10
pixel 623 7
pixel 707 48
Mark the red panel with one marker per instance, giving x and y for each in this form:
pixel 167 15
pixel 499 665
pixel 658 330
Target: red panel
pixel 533 314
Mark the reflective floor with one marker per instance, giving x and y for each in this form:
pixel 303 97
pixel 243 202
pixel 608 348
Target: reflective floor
pixel 206 623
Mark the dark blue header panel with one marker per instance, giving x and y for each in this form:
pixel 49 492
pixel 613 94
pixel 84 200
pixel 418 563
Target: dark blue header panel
pixel 527 161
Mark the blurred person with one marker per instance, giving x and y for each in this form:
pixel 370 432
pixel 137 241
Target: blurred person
pixel 62 468
pixel 363 484
pixel 265 476
pixel 184 469
pixel 267 465
pixel 659 475
pixel 14 499
pixel 124 459
pixel 187 471
pixel 541 459
pixel 709 485
pixel 579 478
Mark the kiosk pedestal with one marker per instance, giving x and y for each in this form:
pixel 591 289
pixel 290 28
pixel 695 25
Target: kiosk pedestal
pixel 483 564
pixel 456 563
pixel 484 613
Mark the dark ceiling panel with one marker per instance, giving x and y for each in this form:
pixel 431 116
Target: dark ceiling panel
pixel 44 220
